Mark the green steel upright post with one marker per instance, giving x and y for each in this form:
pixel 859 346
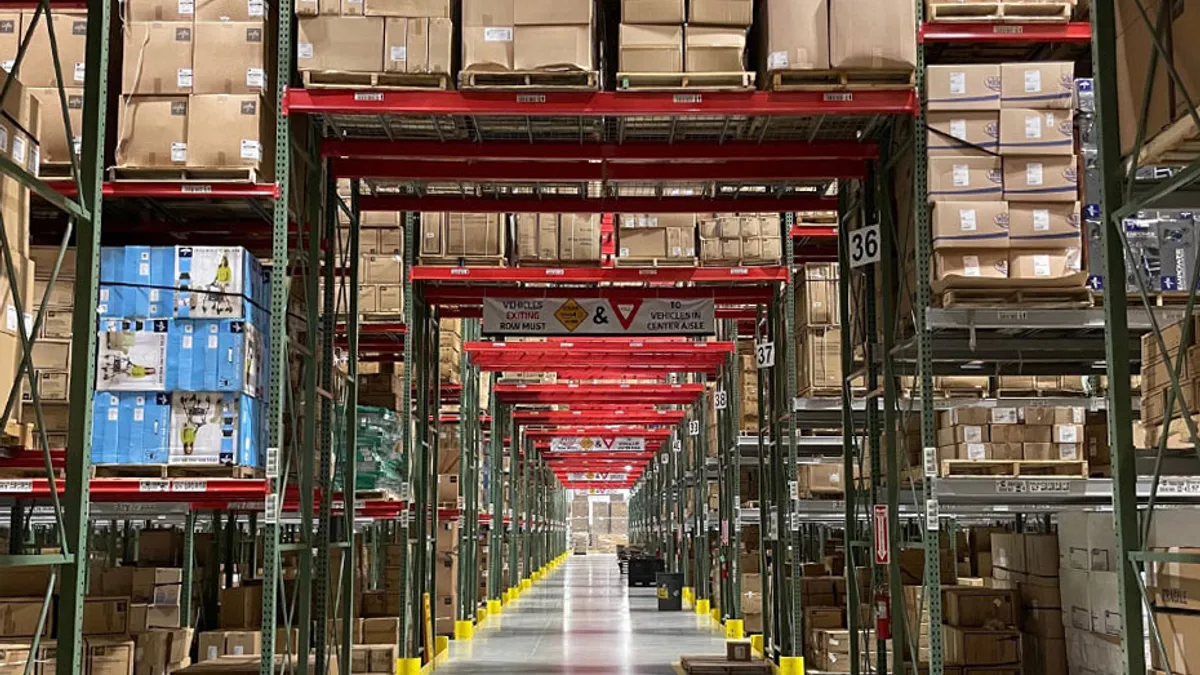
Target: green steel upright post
pixel 792 623
pixel 527 507
pixel 848 428
pixel 514 560
pixel 189 569
pixel 1120 396
pixel 700 498
pixel 312 583
pixel 668 498
pixel 409 619
pixel 769 527
pixel 350 443
pixel 496 502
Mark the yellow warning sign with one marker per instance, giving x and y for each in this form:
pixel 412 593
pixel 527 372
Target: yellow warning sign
pixel 586 444
pixel 571 314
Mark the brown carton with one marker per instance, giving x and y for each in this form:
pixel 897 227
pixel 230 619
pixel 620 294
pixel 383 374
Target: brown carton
pixel 973 225
pixel 19 617
pixel 70 34
pixel 447 489
pixel 441 46
pixel 10 38
pixel 352 44
pixel 15 655
pixel 554 47
pixel 971 133
pixel 1024 131
pixel 981 646
pixel 1040 85
pixel 642 243
pixel 395 45
pixel 714 50
pixel 979 607
pixel 964 87
pixel 241 607
pixel 153 131
pixel 552 12
pixel 52 140
pixel 226 130
pixel 423 47
pixel 472 234
pixel 972 264
pixel 1043 179
pixel 736 13
pixel 158 58
pixel 228 10
pixel 157 10
pixel 1035 225
pixel 487 34
pixel 105 616
pixel 651 49
pixel 108 656
pixel 1046 264
pixel 579 237
pixel 966 178
pixel 872 34
pixel 408 8
pixel 232 61
pixel 649 12
pixel 143 617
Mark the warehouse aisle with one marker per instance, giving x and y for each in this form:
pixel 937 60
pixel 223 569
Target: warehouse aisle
pixel 582 619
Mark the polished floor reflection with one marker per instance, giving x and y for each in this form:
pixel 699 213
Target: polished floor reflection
pixel 582 619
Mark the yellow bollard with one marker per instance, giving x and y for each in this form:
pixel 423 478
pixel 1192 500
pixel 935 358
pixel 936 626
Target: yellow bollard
pixel 702 606
pixel 480 616
pixel 716 615
pixel 791 665
pixel 735 629
pixel 408 666
pixel 464 630
pixel 441 644
pixel 526 584
pixel 756 644
pixel 493 607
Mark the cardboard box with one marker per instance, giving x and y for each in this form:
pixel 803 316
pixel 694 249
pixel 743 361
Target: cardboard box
pixel 408 8
pixel 447 490
pixel 108 656
pixel 963 87
pixel 1104 601
pixel 737 13
pixel 981 647
pixel 19 617
pixel 974 225
pixel 797 34
pixel 1051 451
pixel 1041 179
pixel 1045 264
pixel 241 607
pixel 52 139
pixel 558 47
pixel 10 38
pixel 418 45
pixel 969 133
pixel 653 12
pixel 227 130
pixel 714 50
pixel 105 616
pixel 70 34
pixel 864 34
pixel 966 178
pixel 579 237
pixel 979 607
pixel 1036 132
pixel 144 617
pixel 231 57
pixel 471 234
pixel 1041 85
pixel 153 131
pixel 381 631
pixel 1181 637
pixel 488 47
pixel 552 12
pixel 1041 554
pixel 353 43
pixel 1040 224
pixel 225 10
pixel 158 58
pixel 161 548
pixel 651 49
pixel 963 434
pixel 1175 585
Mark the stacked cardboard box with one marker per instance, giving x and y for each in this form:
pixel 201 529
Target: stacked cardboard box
pixel 1029 433
pixel 451 238
pixel 529 35
pixel 658 36
pixel 819 332
pixel 394 37
pixel 656 239
pixel 192 87
pixel 1002 173
pixel 450 347
pixel 979 627
pixel 37 74
pixel 1156 383
pixel 552 238
pixel 446 571
pixel 739 239
pixel 1173 590
pixel 1088 604
pixel 380 264
pixel 856 35
pixel 820 480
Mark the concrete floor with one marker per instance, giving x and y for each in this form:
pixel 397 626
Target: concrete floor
pixel 582 619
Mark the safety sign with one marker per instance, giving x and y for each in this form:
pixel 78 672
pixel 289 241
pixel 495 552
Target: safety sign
pixel 598 316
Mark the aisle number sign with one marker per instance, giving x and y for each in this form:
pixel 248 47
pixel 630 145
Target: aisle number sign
pixel 590 477
pixel 864 246
pixel 586 443
pixel 598 316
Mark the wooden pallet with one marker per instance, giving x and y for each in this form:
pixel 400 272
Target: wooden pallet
pixel 827 392
pixel 740 262
pixel 719 665
pixel 29 472
pixel 840 80
pixel 336 79
pixel 729 81
pixel 1179 143
pixel 531 80
pixel 376 496
pixel 1015 468
pixel 1049 12
pixel 467 261
pixel 174 175
pixel 54 170
pixel 629 261
pixel 174 471
pixel 1078 297
pixel 1161 299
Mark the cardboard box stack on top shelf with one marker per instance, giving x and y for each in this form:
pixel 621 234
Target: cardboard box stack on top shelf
pixel 662 40
pixel 1174 589
pixel 192 88
pixel 1003 175
pixel 736 239
pixel 53 150
pixel 819 331
pixel 463 238
pixel 362 43
pixel 1032 433
pixel 529 42
pixel 380 263
pixel 554 238
pixel 656 240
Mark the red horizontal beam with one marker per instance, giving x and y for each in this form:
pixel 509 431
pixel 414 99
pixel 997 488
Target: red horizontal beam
pixel 598 204
pixel 556 388
pixel 983 31
pixel 173 490
pixel 814 231
pixel 588 346
pixel 597 485
pixel 129 189
pixel 599 432
pixel 728 275
pixel 596 456
pixel 578 171
pixel 457 295
pixel 670 417
pixel 592 152
pixel 599 104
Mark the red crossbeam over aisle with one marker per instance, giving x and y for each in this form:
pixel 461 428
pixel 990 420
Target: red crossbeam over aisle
pixel 721 275
pixel 560 393
pixel 596 152
pixel 579 171
pixel 668 417
pixel 799 202
pixel 599 432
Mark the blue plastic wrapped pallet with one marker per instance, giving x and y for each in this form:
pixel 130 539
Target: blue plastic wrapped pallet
pixel 182 357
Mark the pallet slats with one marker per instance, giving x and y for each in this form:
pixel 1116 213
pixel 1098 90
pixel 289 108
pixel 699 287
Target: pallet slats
pixel 1049 12
pixel 1043 298
pixel 1015 468
pixel 175 175
pixel 534 80
pixel 336 79
pixel 719 665
pixel 173 471
pixel 731 81
pixel 839 80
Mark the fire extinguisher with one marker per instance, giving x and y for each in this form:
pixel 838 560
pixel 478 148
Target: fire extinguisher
pixel 883 617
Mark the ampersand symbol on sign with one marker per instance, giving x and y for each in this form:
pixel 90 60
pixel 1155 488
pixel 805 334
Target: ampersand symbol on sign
pixel 600 319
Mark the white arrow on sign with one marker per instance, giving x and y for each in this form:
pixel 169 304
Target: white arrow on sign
pixel 883 552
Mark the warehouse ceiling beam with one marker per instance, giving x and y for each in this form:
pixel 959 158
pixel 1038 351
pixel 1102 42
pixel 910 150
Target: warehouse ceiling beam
pixel 723 296
pixel 511 171
pixel 722 275
pixel 597 204
pixel 567 394
pixel 598 152
pixel 669 417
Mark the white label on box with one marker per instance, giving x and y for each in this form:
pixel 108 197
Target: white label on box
pixel 1041 220
pixel 187 7
pixel 184 78
pixel 777 60
pixel 213 342
pixel 35 161
pixel 10 318
pixel 970 265
pixel 80 71
pixel 3 139
pixel 114 414
pixel 835 477
pixel 1068 451
pixel 973 434
pixel 256 8
pixel 1033 126
pixel 976 451
pixel 624 252
pixel 1050 120
pixel 497 34
pixel 967 221
pixel 399 53
pixel 1041 265
pixel 179 152
pixel 1005 416
pixel 186 342
pixel 139 414
pixel 1033 173
pixel 1077 415
pixel 304 50
pixel 962 175
pixel 1033 81
pixel 958 82
pixel 143 269
pixel 958 129
pixel 18 151
pixel 251 149
pixel 1066 433
pixel 256 78
pixel 7 65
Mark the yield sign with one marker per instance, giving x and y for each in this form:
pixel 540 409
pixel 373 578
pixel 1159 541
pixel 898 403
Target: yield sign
pixel 625 311
pixel 883 552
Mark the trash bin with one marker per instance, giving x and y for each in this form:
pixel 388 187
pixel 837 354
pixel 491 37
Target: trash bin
pixel 670 592
pixel 642 571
